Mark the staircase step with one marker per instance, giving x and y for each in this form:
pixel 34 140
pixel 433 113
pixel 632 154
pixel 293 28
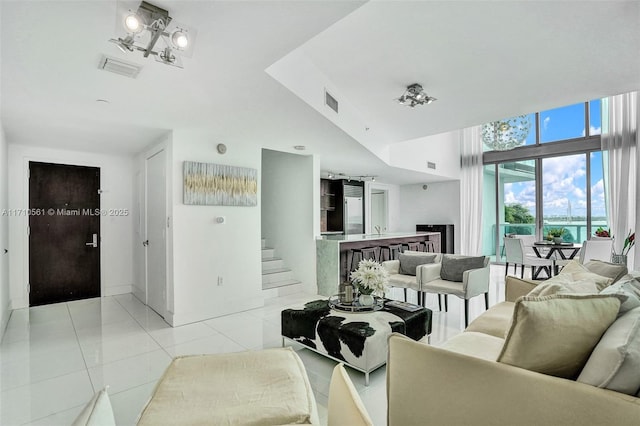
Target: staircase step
pixel 274 271
pixel 286 274
pixel 268 253
pixel 272 263
pixel 282 283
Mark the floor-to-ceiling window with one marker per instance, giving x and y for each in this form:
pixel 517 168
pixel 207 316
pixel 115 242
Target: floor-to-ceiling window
pixel 552 181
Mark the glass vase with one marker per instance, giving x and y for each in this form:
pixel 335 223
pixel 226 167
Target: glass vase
pixel 366 300
pixel 619 258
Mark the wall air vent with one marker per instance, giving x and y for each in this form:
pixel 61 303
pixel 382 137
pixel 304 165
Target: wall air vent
pixel 431 165
pixel 330 101
pixel 118 66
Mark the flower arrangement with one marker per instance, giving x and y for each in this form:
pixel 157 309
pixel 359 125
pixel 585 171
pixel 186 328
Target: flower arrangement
pixel 370 277
pixel 603 233
pixel 628 242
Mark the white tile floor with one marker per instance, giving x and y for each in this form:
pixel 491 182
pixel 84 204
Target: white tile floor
pixel 53 358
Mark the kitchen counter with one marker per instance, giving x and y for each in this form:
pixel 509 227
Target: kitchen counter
pixel 369 237
pixel 333 254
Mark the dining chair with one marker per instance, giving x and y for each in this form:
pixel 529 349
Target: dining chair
pixel 517 254
pixel 599 249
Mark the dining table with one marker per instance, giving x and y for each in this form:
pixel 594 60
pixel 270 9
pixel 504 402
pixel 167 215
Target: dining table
pixel 547 249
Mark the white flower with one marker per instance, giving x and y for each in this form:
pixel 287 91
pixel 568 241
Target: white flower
pixel 370 277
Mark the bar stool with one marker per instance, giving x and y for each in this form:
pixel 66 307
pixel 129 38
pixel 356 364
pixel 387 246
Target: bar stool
pixel 361 254
pixel 413 246
pixel 429 246
pixel 392 251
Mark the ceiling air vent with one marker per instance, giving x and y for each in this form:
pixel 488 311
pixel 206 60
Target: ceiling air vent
pixel 330 101
pixel 431 165
pixel 118 66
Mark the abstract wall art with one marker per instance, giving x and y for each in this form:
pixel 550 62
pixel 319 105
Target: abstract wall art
pixel 208 184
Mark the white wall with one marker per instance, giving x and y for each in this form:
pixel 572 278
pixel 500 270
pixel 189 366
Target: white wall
pixel 116 254
pixel 204 250
pixel 287 212
pixel 5 301
pixel 442 149
pixel 438 204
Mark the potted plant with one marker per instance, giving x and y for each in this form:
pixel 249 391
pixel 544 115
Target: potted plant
pixel 556 235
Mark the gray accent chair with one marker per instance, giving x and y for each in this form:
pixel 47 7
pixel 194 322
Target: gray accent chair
pixel 474 283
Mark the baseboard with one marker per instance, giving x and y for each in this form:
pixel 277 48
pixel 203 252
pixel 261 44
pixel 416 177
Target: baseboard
pixel 178 319
pixel 170 319
pixel 139 294
pixel 19 303
pixel 5 319
pixel 117 289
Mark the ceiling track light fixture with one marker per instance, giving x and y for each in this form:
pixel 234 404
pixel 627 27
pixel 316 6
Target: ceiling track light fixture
pixel 152 31
pixel 414 95
pixel 362 178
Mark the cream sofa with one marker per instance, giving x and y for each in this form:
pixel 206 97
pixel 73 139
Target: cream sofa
pixel 462 382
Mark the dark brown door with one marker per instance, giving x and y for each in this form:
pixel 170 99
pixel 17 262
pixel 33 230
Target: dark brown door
pixel 64 233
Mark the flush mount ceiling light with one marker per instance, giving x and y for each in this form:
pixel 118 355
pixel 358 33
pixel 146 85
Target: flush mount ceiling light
pixel 152 31
pixel 414 95
pixel 506 134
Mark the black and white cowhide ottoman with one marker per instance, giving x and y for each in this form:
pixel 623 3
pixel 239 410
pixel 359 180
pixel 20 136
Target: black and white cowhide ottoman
pixel 357 339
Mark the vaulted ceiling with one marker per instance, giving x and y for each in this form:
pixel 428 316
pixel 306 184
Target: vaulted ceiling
pixel 483 60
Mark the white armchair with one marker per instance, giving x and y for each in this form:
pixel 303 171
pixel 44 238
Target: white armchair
pixel 474 282
pixel 397 279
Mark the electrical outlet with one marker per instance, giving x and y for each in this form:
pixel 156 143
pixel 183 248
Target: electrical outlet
pixel 219 280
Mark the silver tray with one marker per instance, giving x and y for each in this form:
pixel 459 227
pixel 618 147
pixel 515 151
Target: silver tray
pixel 336 303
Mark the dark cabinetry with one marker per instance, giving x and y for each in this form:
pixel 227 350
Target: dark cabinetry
pixel 330 206
pixel 341 206
pixel 446 235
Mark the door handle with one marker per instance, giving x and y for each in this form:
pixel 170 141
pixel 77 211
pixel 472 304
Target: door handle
pixel 94 241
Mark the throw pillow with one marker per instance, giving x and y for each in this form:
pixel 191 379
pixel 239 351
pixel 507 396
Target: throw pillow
pixel 614 271
pixel 578 272
pixel 453 266
pixel 97 412
pixel 615 361
pixel 555 334
pixel 409 262
pixel 630 289
pixel 565 286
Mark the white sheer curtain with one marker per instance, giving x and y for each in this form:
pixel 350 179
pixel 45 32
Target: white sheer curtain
pixel 471 191
pixel 621 159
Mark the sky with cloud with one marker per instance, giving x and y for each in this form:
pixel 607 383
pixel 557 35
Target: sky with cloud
pixel 564 179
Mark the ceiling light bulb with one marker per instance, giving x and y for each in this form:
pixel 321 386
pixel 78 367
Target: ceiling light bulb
pixel 180 39
pixel 132 23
